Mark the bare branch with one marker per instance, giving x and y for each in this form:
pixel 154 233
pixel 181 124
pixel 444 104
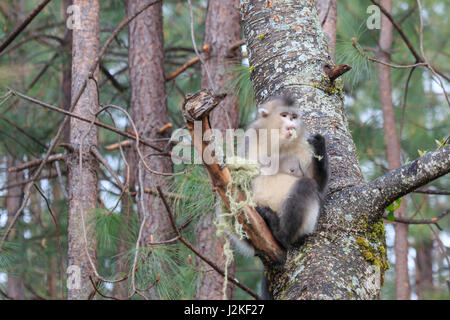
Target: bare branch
pixel 102 160
pixel 36 162
pixel 401 181
pixel 422 221
pixel 198 107
pixel 79 117
pixel 77 97
pixel 432 191
pixel 23 25
pixel 188 245
pixel 114 146
pixel 404 37
pixel 58 237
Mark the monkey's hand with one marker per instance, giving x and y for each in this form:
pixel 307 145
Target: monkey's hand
pixel 320 161
pixel 317 141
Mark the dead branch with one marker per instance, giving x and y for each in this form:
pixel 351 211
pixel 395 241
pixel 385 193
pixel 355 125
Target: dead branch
pixel 165 127
pixel 422 221
pixel 102 160
pixel 21 183
pixel 404 37
pixel 114 146
pixel 23 25
pixel 58 236
pixel 111 78
pixel 82 118
pixel 188 245
pixel 75 101
pixel 36 162
pixel 335 72
pixel 197 108
pixel 431 191
pixel 188 64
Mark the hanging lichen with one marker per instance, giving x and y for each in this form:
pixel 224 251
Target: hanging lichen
pixel 243 171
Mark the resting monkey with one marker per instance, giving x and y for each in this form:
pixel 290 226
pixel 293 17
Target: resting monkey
pixel 289 199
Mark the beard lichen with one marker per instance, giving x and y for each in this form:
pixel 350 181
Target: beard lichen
pixel 242 171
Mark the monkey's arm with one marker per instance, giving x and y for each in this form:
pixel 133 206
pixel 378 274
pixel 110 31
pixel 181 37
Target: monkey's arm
pixel 320 161
pixel 273 222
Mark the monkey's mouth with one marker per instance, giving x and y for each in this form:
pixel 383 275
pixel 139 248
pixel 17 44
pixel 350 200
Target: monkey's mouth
pixel 291 133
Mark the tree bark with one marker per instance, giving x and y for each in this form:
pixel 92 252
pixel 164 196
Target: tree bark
pixel 222 28
pixel 149 111
pixel 16 289
pixel 327 10
pixel 66 74
pixel 83 179
pixel 346 257
pixel 393 149
pixel 127 210
pixel 424 268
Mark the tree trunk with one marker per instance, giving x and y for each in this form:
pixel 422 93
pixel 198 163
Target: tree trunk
pixel 66 81
pixel 424 269
pixel 393 148
pixel 127 210
pixel 334 262
pixel 83 179
pixel 222 29
pixel 16 289
pixel 327 10
pixel 149 111
pixel 346 257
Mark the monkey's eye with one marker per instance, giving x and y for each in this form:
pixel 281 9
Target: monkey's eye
pixel 294 116
pixel 284 114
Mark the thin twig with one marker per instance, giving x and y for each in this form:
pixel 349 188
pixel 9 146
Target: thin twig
pixel 75 101
pixel 436 235
pixel 404 37
pixel 422 221
pixel 103 161
pixel 5 295
pixel 431 191
pixel 24 24
pixel 405 96
pixel 202 257
pixel 208 75
pixel 36 162
pixel 396 66
pixel 423 53
pixel 82 118
pixel 58 237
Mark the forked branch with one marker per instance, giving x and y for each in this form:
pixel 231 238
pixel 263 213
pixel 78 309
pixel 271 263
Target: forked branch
pixel 197 108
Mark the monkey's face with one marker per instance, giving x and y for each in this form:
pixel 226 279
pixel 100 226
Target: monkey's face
pixel 289 125
pixel 282 117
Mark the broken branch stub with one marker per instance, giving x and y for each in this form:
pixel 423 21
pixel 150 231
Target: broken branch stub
pixel 197 108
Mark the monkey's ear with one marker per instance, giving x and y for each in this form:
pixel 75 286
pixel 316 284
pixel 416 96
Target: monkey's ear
pixel 263 112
